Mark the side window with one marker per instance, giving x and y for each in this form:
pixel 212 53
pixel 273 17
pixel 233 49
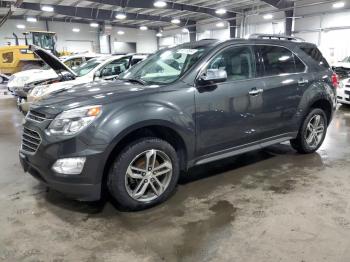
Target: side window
pixel 134 61
pixel 299 65
pixel 115 67
pixel 238 62
pixel 74 62
pixel 277 60
pixel 315 54
pixel 7 57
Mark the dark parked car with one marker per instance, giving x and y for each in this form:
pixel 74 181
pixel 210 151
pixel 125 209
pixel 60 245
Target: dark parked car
pixel 183 106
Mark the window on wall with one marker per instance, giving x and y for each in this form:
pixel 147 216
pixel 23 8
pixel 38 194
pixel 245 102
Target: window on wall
pixel 238 62
pixel 279 60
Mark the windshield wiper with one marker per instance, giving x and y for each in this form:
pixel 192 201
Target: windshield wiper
pixel 139 81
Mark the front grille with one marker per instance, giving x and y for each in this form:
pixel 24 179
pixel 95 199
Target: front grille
pixel 31 140
pixel 36 116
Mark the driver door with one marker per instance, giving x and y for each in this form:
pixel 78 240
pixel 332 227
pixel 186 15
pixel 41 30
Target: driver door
pixel 225 111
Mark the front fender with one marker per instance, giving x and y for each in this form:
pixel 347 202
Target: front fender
pixel 120 122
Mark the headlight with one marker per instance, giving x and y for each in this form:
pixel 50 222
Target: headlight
pixel 38 91
pixel 72 121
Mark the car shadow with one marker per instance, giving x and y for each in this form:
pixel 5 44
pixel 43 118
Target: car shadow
pixel 195 174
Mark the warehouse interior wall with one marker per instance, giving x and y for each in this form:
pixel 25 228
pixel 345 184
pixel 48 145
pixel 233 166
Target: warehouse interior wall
pixel 86 40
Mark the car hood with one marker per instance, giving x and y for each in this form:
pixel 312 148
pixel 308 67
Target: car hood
pixel 342 64
pixel 25 77
pixel 101 92
pixel 45 90
pixel 51 60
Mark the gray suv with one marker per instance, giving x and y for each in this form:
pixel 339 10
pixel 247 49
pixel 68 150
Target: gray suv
pixel 183 106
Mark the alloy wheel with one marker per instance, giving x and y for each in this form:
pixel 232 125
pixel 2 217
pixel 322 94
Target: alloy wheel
pixel 314 131
pixel 148 175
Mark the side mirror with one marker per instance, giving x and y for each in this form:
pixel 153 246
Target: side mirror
pixel 97 74
pixel 211 76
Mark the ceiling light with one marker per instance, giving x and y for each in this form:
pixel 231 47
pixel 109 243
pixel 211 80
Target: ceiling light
pixel 268 16
pixel 339 5
pixel 143 28
pixel 220 24
pixel 32 19
pixel 94 24
pixel 159 34
pixel 185 30
pixel 20 26
pixel 120 32
pixel 47 8
pixel 175 21
pixel 120 16
pixel 221 11
pixel 159 4
pixel 76 30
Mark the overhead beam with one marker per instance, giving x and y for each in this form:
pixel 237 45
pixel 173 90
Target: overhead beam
pixel 286 5
pixel 280 4
pixel 71 20
pixel 97 14
pixel 147 4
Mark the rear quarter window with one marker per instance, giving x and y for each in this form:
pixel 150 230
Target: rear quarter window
pixel 279 60
pixel 316 55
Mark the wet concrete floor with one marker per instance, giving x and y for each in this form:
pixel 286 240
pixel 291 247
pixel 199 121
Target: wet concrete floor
pixel 268 205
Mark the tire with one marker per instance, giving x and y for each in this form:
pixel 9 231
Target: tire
pixel 302 143
pixel 122 187
pixel 28 66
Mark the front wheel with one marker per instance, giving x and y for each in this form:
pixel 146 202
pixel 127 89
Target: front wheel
pixel 312 132
pixel 144 174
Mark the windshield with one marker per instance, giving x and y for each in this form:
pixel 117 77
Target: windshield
pixel 165 66
pixel 346 59
pixel 87 67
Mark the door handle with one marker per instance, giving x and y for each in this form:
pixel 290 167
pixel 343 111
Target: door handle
pixel 255 91
pixel 303 82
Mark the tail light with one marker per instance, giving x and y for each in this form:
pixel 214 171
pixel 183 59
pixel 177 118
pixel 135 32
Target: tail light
pixel 335 80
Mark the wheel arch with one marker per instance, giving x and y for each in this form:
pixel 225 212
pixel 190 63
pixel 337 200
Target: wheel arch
pixel 325 105
pixel 162 130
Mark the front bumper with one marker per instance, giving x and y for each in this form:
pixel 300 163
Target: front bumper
pixel 343 95
pixel 80 191
pixel 85 186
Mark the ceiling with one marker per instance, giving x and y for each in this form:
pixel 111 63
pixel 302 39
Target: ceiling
pixel 152 17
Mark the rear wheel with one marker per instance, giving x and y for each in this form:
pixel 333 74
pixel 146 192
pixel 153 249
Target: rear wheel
pixel 312 132
pixel 144 174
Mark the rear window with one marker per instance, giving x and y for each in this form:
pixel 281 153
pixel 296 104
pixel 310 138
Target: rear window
pixel 316 55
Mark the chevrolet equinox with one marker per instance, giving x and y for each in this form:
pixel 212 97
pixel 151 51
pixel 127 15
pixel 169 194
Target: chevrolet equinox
pixel 183 106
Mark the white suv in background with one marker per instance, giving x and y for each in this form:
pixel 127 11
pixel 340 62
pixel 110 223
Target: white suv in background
pixel 96 69
pixel 343 92
pixel 18 80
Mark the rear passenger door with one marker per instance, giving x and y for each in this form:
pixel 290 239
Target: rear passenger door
pixel 283 74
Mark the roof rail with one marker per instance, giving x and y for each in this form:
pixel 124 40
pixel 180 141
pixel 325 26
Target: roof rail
pixel 277 37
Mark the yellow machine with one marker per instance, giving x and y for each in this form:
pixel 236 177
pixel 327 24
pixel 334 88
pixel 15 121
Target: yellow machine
pixel 15 58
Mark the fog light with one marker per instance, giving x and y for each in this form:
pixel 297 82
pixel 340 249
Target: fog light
pixel 69 166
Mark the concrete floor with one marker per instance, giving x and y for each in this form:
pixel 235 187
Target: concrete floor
pixel 270 205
